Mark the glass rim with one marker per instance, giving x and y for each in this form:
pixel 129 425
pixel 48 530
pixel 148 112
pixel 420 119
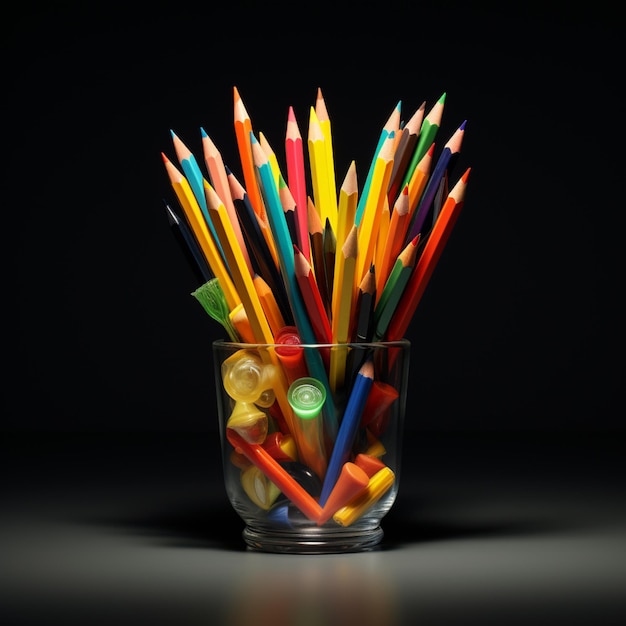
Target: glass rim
pixel 396 343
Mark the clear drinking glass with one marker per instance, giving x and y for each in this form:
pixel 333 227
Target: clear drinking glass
pixel 311 440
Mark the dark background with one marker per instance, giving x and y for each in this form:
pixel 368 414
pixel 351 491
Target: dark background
pixel 511 506
pixel 520 324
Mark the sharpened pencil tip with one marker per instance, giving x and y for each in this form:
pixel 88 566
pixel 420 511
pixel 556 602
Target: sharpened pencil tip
pixel 203 132
pixel 462 126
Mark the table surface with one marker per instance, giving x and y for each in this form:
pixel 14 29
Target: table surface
pixel 503 528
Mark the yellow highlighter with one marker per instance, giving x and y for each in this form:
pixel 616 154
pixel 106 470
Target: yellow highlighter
pixel 377 486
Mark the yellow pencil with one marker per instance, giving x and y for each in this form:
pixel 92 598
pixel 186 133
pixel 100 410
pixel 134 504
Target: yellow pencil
pixel 346 211
pixel 199 226
pixel 323 196
pixel 372 212
pixel 322 115
pixel 342 304
pixel 382 233
pixel 238 268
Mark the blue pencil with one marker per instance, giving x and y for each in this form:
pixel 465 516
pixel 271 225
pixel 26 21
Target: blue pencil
pixel 348 427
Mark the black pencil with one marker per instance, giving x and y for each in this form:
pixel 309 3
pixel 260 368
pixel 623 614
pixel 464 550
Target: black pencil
pixel 188 245
pixel 262 259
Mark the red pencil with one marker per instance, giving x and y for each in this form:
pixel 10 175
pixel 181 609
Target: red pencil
pixel 312 297
pixel 428 260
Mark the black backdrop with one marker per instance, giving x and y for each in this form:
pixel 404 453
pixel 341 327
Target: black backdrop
pixel 520 326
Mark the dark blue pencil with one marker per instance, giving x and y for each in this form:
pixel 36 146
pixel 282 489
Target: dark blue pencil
pixel 446 159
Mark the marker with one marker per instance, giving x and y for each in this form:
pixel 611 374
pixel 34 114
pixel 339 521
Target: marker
pixel 290 354
pixel 351 482
pixel 277 474
pixel 307 397
pixel 348 427
pixel 377 486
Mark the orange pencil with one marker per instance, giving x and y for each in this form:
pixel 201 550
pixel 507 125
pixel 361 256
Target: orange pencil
pixel 219 180
pixel 398 225
pixel 428 259
pixel 372 212
pixel 243 128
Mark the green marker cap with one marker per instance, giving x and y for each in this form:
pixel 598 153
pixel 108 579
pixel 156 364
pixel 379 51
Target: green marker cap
pixel 306 397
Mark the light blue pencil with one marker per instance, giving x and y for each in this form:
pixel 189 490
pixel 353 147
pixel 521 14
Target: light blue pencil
pixel 284 248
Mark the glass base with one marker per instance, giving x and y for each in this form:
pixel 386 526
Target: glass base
pixel 312 541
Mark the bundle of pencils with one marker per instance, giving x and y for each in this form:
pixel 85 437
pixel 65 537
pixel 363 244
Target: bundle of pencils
pixel 285 246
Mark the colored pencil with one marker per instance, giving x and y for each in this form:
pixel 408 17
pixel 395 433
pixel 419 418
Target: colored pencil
pixel 238 268
pixel 418 182
pixel 302 321
pixel 347 429
pixel 321 112
pixel 195 178
pixel 269 304
pixel 188 245
pixel 296 179
pixel 218 178
pixel 264 263
pixel 342 303
pixel 451 148
pixel 243 128
pixel 394 288
pixel 312 297
pixel 330 250
pixel 324 197
pixel 377 193
pixel 382 233
pixel 289 208
pixel 364 307
pixel 428 259
pixel 398 223
pixel 391 127
pixel 404 152
pixel 316 237
pixel 428 133
pixel 198 224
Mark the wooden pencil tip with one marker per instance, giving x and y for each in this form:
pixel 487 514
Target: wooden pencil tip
pixel 165 159
pixel 367 369
pixel 466 175
pixel 291 116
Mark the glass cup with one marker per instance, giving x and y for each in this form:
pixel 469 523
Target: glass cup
pixel 311 440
